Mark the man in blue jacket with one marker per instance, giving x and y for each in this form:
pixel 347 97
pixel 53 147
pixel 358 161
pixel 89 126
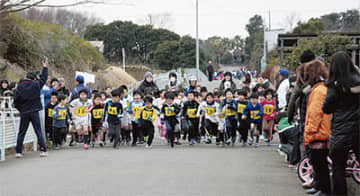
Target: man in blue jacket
pixel 79 85
pixel 27 100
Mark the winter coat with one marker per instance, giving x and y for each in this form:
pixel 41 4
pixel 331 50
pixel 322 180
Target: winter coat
pixel 317 123
pixel 344 103
pixel 27 95
pixel 232 86
pixel 144 85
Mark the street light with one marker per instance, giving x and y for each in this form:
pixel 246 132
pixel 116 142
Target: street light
pixel 197 40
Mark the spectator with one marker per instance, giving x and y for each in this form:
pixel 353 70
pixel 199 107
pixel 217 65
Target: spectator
pixel 79 79
pixel 227 82
pixel 63 90
pixel 174 84
pixel 210 71
pixel 148 83
pixel 27 101
pixel 342 100
pixel 108 90
pixel 54 87
pixel 4 86
pixel 283 89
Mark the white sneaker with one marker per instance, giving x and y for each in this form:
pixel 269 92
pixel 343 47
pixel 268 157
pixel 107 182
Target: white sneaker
pixel 19 155
pixel 43 154
pixel 148 146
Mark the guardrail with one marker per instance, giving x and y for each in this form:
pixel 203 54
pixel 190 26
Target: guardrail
pixel 9 127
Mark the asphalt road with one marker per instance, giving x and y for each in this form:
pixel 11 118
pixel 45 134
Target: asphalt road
pixel 199 170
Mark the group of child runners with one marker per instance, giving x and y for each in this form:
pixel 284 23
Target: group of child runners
pixel 193 115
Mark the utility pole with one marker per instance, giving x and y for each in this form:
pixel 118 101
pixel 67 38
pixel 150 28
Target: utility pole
pixel 197 41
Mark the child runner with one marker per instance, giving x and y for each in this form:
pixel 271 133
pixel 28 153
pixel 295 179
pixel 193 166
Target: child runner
pixel 60 117
pixel 113 112
pixel 49 118
pixel 81 115
pixel 96 120
pixel 125 122
pixel 229 105
pixel 168 116
pixel 220 98
pixel 210 109
pixel 243 123
pixel 192 85
pixel 255 110
pixel 146 117
pixel 157 105
pixel 189 113
pixel 269 115
pixel 134 108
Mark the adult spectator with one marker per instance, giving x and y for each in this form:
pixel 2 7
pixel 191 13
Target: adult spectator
pixel 174 84
pixel 210 70
pixel 63 90
pixel 80 80
pixel 227 82
pixel 4 86
pixel 342 100
pixel 148 83
pixel 27 100
pixel 283 89
pixel 54 87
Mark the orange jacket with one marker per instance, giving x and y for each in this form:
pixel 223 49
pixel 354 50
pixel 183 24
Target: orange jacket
pixel 317 123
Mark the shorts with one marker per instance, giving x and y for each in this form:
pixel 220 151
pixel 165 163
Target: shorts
pixel 258 127
pixel 221 124
pixel 125 121
pixel 79 123
pixel 96 129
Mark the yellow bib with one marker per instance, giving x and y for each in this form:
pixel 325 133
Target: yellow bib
pixel 191 113
pixel 210 111
pixel 50 112
pixel 268 109
pixel 229 112
pixel 168 112
pixel 241 108
pixel 253 115
pixel 146 114
pixel 97 113
pixel 80 111
pixel 63 115
pixel 112 110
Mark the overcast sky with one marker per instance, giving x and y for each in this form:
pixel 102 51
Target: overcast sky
pixel 217 17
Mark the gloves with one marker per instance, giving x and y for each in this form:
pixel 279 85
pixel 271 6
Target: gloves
pixel 150 118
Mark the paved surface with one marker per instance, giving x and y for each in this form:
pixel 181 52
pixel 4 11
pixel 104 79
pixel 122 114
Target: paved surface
pixel 200 170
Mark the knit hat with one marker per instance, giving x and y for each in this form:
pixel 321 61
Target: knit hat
pixel 148 74
pixel 80 78
pixel 307 56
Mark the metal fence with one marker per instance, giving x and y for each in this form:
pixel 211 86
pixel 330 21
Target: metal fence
pixel 9 127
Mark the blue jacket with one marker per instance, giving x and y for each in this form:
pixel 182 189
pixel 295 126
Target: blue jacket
pixel 47 95
pixel 256 112
pixel 189 89
pixel 27 95
pixel 76 91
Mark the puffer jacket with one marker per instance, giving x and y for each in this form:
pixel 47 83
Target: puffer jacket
pixel 344 103
pixel 317 124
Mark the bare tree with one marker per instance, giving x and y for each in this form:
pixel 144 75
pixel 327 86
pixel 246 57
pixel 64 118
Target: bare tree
pixel 291 20
pixel 162 20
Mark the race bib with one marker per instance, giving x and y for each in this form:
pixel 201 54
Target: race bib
pixel 62 114
pixel 169 112
pixel 191 113
pixel 268 109
pixel 241 108
pixel 50 113
pixel 210 111
pixel 112 110
pixel 97 113
pixel 135 110
pixel 229 112
pixel 80 111
pixel 146 115
pixel 253 115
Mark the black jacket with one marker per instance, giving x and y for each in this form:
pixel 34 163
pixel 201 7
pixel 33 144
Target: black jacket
pixel 27 95
pixel 344 104
pixel 144 85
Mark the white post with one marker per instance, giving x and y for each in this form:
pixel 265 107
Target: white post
pixel 197 40
pixel 123 54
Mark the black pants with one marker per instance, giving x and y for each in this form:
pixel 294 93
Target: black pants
pixel 211 127
pixel 295 155
pixel 114 133
pixel 231 124
pixel 148 128
pixel 211 76
pixel 58 135
pixel 25 120
pixel 318 158
pixel 244 129
pixel 193 128
pixel 137 132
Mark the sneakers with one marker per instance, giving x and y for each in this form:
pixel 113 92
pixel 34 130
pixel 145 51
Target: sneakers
pixel 43 154
pixel 177 143
pixel 57 147
pixel 268 143
pixel 148 146
pixel 101 144
pixel 257 145
pixel 86 146
pixel 250 142
pixel 93 144
pixel 19 155
pixel 222 144
pixel 244 144
pixel 172 145
pixel 72 143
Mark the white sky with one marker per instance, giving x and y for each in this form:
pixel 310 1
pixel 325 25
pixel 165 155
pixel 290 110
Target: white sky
pixel 217 17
